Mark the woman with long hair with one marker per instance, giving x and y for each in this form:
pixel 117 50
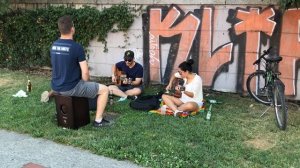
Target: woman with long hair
pixel 191 97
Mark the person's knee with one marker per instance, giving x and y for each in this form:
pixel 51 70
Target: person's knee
pixel 138 92
pixel 133 92
pixel 112 87
pixel 103 90
pixel 164 96
pixel 192 106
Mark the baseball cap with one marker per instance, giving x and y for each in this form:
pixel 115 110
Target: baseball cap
pixel 129 54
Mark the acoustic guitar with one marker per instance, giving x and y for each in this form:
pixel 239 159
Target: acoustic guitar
pixel 176 93
pixel 120 77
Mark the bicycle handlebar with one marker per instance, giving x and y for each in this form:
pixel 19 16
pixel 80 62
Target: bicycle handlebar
pixel 266 52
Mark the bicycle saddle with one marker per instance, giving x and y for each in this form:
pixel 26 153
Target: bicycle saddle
pixel 274 59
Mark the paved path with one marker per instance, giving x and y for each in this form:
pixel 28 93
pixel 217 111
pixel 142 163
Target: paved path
pixel 18 150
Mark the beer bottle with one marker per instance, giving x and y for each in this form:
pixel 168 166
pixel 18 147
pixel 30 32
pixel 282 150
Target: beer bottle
pixel 29 85
pixel 208 115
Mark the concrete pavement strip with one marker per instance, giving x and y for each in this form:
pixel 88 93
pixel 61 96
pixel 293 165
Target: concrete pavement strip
pixel 20 150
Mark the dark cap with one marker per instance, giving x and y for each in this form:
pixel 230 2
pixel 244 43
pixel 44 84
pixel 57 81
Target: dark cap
pixel 129 54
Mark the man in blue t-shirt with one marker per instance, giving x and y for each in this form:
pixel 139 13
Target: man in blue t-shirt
pixel 131 78
pixel 70 72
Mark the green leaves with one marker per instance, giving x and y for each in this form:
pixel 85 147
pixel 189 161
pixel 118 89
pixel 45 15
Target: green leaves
pixel 286 4
pixel 26 35
pixel 4 6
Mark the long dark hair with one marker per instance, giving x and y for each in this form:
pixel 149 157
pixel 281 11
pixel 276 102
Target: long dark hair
pixel 187 65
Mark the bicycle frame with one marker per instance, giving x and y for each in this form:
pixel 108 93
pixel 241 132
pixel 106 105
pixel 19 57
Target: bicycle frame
pixel 269 89
pixel 266 75
pixel 270 74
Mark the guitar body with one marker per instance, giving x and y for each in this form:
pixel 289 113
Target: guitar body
pixel 120 76
pixel 177 82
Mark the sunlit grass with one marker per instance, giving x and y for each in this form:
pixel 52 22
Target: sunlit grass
pixel 236 136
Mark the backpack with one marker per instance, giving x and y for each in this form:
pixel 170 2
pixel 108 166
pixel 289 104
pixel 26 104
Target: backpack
pixel 146 103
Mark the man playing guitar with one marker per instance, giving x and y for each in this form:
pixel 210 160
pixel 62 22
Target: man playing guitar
pixel 127 76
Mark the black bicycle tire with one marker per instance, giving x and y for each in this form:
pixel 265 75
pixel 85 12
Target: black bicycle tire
pixel 281 113
pixel 254 96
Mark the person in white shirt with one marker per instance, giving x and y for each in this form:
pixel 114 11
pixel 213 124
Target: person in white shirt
pixel 191 97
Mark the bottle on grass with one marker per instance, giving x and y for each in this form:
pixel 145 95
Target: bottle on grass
pixel 29 85
pixel 208 115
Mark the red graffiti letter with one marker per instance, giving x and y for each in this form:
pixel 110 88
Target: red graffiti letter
pixel 290 49
pixel 187 28
pixel 209 62
pixel 254 22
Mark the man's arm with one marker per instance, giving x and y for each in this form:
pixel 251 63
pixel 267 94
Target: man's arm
pixel 137 81
pixel 85 75
pixel 114 73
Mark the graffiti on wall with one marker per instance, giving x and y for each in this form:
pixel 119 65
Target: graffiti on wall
pixel 195 34
pixel 290 50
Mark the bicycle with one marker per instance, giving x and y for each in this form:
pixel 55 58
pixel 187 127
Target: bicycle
pixel 266 87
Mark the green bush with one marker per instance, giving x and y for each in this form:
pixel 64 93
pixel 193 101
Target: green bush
pixel 26 35
pixel 4 6
pixel 286 4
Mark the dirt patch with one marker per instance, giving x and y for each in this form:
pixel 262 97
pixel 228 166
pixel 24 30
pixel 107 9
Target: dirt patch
pixel 260 143
pixel 4 82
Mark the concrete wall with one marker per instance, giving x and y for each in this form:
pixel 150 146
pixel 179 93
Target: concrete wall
pixel 224 37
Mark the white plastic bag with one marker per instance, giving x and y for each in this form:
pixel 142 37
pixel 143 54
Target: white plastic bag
pixel 20 93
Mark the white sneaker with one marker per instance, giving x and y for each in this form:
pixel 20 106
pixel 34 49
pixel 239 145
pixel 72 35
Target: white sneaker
pixel 177 113
pixel 45 96
pixel 163 109
pixel 122 99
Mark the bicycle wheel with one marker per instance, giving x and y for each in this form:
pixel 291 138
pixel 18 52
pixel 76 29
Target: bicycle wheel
pixel 256 87
pixel 279 104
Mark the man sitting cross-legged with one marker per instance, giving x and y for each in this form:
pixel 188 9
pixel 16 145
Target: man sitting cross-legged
pixel 131 81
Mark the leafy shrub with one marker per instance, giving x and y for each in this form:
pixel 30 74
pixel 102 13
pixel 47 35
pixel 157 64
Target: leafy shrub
pixel 285 4
pixel 26 35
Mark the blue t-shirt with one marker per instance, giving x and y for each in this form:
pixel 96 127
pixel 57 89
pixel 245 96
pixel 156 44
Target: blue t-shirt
pixel 65 57
pixel 135 72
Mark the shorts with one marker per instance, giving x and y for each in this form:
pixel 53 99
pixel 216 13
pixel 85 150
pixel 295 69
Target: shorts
pixel 83 89
pixel 124 88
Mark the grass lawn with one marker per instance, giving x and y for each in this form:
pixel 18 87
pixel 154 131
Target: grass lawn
pixel 236 135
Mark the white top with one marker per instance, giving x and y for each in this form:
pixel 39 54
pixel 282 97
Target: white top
pixel 195 86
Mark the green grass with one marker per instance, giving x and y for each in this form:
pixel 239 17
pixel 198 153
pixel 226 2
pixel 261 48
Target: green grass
pixel 235 137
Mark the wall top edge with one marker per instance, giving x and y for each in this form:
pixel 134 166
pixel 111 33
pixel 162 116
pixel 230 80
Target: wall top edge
pixel 150 2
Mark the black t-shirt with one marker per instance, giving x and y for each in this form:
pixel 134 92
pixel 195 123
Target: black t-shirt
pixel 65 57
pixel 135 72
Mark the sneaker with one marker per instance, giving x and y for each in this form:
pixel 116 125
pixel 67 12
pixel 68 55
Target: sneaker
pixel 122 99
pixel 103 123
pixel 177 113
pixel 163 109
pixel 132 97
pixel 45 96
